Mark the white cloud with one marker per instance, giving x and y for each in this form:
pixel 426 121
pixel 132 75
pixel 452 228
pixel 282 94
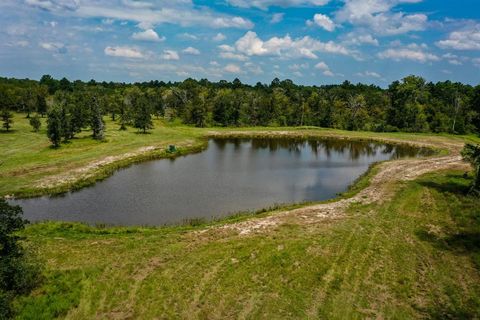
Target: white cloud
pixel 322 21
pixel 188 36
pixel 377 16
pixel 232 68
pixel 325 69
pixel 413 52
pixel 191 50
pixel 467 38
pixel 232 56
pixel 56 47
pixel 358 39
pixel 226 47
pixel 219 37
pixel 322 66
pixel 146 14
pixel 277 17
pixel 147 35
pixel 296 66
pixel 19 43
pixel 53 4
pixel 328 73
pixel 305 47
pixel 265 4
pixel 124 52
pixel 170 55
pixel 368 74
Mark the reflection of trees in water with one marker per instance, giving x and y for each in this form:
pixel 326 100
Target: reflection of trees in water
pixel 353 149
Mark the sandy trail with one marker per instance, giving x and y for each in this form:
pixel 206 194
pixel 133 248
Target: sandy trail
pixel 378 191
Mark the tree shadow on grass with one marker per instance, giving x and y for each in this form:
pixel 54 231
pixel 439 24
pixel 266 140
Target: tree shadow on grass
pixel 456 183
pixel 466 240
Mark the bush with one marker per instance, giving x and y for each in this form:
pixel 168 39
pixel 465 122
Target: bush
pixel 471 154
pixel 19 273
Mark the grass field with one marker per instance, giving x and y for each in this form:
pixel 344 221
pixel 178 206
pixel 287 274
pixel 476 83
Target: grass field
pixel 416 255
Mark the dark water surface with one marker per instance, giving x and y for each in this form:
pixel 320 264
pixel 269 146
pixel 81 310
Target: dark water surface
pixel 232 175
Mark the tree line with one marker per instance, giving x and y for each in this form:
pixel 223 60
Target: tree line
pixel 409 105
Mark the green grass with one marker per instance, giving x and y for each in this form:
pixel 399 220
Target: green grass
pixel 28 159
pixel 416 256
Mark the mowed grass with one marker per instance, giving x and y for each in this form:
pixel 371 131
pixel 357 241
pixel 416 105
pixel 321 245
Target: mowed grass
pixel 416 256
pixel 27 158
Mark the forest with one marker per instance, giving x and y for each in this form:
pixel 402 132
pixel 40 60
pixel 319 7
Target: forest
pixel 409 105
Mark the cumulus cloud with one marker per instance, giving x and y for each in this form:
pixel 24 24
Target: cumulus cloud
pixel 413 52
pixel 358 39
pixel 322 66
pixel 377 16
pixel 191 50
pixel 322 21
pixel 251 45
pixel 188 36
pixel 124 52
pixel 325 69
pixel 368 74
pixel 265 4
pixel 170 55
pixel 54 5
pixel 277 17
pixel 147 35
pixel 467 38
pixel 232 56
pixel 56 47
pixel 232 68
pixel 219 37
pixel 146 14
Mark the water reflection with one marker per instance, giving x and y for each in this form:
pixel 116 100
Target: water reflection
pixel 231 175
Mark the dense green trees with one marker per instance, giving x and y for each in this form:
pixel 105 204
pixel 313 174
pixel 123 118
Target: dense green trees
pixel 18 271
pixel 411 105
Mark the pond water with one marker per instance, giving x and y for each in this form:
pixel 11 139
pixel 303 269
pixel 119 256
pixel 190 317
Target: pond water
pixel 231 175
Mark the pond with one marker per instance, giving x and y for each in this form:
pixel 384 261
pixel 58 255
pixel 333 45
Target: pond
pixel 231 175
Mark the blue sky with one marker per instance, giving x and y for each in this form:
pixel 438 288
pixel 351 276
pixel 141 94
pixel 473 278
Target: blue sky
pixel 308 41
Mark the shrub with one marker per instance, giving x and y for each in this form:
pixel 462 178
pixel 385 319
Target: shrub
pixel 19 273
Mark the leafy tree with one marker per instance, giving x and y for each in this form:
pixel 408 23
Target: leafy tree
pixel 54 126
pixel 66 124
pixel 142 114
pixel 35 123
pixel 96 120
pixel 19 273
pixel 471 154
pixel 123 115
pixel 7 119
